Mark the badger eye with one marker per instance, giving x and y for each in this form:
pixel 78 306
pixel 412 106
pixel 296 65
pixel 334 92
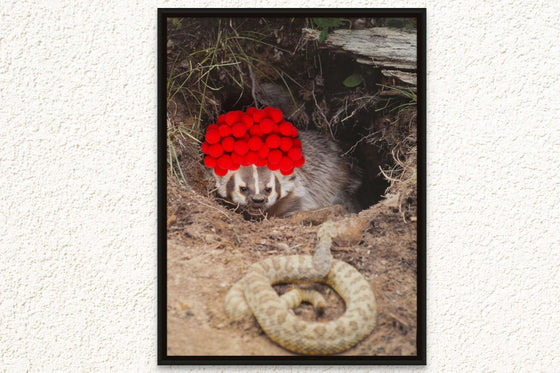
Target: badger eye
pixel 243 189
pixel 268 190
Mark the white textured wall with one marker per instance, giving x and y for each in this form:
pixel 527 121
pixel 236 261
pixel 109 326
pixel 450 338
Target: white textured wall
pixel 78 184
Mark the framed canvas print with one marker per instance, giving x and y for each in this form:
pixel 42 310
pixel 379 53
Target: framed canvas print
pixel 291 181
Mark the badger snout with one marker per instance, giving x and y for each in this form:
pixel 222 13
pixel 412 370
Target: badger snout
pixel 259 199
pixel 257 205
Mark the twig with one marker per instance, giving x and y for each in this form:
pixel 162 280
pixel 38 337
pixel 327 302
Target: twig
pixel 253 84
pixel 251 73
pixel 215 208
pixel 387 176
pixel 236 235
pixel 327 122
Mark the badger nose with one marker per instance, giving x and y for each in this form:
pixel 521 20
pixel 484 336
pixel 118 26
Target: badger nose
pixel 258 198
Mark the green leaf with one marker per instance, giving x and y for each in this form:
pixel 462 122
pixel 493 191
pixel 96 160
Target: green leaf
pixel 176 22
pixel 327 22
pixel 353 80
pixel 323 35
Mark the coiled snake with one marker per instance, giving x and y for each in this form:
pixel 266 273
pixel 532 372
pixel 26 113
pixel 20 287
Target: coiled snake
pixel 253 294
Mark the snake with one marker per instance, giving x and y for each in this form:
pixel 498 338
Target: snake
pixel 254 295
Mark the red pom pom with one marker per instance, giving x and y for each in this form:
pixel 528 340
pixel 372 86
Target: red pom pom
pixel 212 136
pixel 236 158
pixel 272 141
pixel 240 147
pixel 220 171
pixel 274 114
pixel 233 116
pixel 221 119
pixel 261 162
pixel 286 143
pixel 250 110
pixel 294 154
pixel 259 137
pixel 274 156
pixel 287 172
pixel 267 125
pixel 258 115
pixel 256 130
pixel 286 128
pixel 227 144
pixel 210 161
pixel 247 120
pixel 224 130
pixel 216 150
pixel 245 162
pixel 224 162
pixel 285 163
pixel 250 158
pixel 255 143
pixel 263 151
pixel 238 129
pixel 294 132
pixel 205 147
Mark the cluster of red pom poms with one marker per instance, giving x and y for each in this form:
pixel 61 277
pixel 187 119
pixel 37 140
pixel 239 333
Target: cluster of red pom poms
pixel 259 137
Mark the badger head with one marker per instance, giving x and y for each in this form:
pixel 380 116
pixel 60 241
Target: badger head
pixel 254 189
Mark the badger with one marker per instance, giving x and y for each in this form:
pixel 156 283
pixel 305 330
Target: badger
pixel 325 179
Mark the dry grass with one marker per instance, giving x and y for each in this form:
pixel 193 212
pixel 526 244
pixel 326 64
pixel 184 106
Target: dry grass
pixel 212 61
pixel 402 176
pixel 216 65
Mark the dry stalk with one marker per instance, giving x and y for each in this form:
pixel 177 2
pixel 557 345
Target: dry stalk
pixel 215 208
pixel 320 111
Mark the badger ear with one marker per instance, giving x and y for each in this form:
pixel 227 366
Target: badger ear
pixel 217 178
pixel 287 183
pixel 221 182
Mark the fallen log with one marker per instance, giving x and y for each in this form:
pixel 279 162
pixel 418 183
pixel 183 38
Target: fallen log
pixel 392 50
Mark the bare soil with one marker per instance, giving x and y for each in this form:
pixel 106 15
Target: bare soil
pixel 210 248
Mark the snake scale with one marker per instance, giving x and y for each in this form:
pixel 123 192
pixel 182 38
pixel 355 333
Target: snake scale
pixel 254 294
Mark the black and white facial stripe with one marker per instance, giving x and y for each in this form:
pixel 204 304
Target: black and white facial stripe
pixel 257 188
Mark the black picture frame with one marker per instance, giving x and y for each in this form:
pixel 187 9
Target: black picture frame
pixel 162 357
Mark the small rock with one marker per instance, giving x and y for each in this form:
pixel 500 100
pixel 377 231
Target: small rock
pixel 172 220
pixel 183 306
pixel 212 238
pixel 349 231
pixel 283 246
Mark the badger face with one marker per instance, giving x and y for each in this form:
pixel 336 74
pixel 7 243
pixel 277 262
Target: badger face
pixel 253 189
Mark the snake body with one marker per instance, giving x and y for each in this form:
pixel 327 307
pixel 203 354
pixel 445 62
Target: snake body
pixel 254 294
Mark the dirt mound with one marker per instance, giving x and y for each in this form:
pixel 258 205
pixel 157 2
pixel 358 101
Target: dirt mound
pixel 210 248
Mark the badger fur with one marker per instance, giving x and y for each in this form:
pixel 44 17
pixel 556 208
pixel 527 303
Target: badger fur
pixel 324 180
